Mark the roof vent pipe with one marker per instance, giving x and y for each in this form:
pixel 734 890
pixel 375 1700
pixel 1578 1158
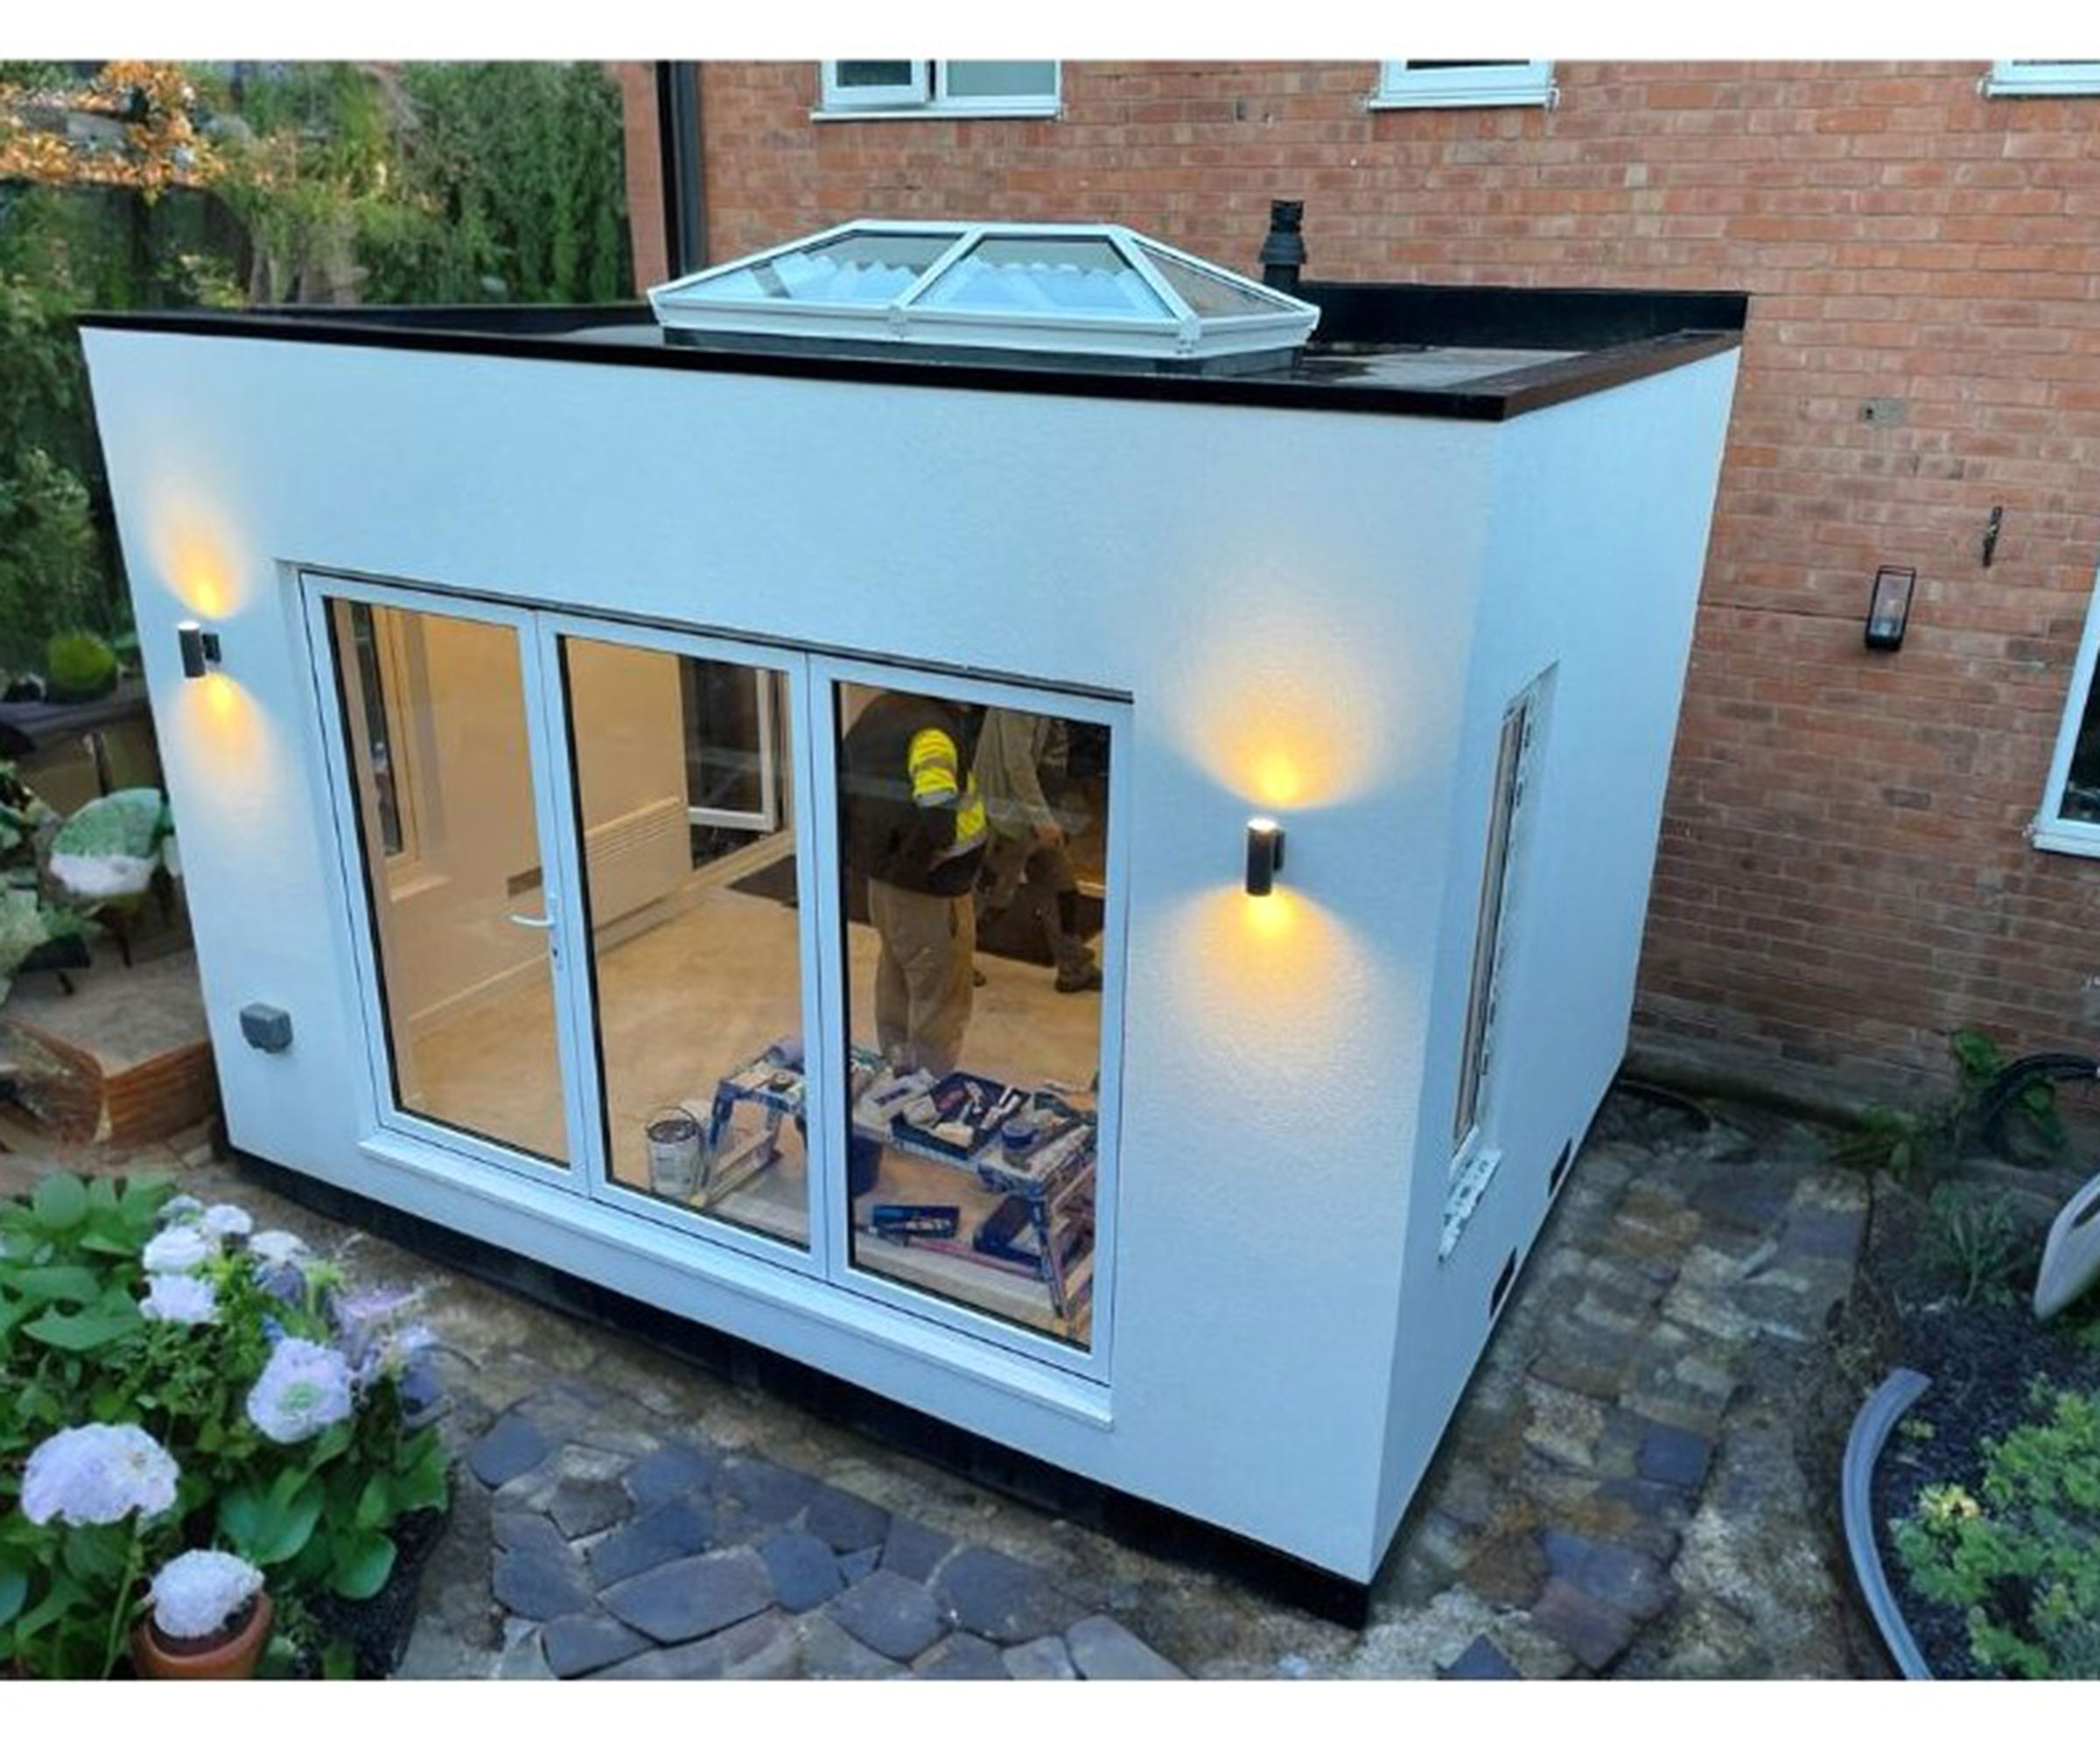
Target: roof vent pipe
pixel 1283 249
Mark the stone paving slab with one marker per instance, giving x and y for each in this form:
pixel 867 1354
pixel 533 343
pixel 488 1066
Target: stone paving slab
pixel 1619 1492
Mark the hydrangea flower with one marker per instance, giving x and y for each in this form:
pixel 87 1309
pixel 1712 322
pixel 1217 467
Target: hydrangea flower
pixel 200 1591
pixel 227 1221
pixel 177 1299
pixel 274 1247
pixel 96 1476
pixel 304 1388
pixel 181 1207
pixel 179 1248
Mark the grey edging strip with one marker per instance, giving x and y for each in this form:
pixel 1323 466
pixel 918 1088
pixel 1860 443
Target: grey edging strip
pixel 1871 1430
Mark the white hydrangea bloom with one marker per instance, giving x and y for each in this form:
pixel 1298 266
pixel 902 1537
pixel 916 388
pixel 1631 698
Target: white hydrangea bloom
pixel 274 1247
pixel 303 1389
pixel 97 1474
pixel 200 1591
pixel 179 1248
pixel 177 1299
pixel 227 1221
pixel 181 1207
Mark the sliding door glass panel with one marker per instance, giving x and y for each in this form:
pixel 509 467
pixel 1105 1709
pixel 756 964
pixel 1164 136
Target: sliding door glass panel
pixel 973 860
pixel 694 949
pixel 462 931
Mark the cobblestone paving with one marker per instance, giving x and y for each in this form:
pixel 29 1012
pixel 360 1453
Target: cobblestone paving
pixel 1621 1492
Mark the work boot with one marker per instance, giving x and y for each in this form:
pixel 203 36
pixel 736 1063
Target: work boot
pixel 1079 974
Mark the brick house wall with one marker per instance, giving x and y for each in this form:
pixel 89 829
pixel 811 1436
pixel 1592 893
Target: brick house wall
pixel 1844 874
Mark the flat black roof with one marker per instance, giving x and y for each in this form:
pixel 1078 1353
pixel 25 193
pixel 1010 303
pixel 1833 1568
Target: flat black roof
pixel 1448 352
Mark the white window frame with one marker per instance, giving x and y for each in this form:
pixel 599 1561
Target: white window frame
pixel 1475 1155
pixel 2049 830
pixel 585 1196
pixel 2042 79
pixel 1525 83
pixel 926 95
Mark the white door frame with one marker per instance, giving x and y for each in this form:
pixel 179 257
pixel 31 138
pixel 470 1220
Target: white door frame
pixel 823 735
pixel 812 767
pixel 556 624
pixel 383 1108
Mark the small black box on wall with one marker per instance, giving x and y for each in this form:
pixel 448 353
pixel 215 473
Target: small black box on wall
pixel 265 1028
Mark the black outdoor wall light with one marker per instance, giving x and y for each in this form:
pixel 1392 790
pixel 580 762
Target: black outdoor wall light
pixel 1264 854
pixel 1888 607
pixel 200 649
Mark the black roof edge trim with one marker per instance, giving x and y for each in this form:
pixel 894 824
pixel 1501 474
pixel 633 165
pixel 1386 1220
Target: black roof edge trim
pixel 1562 318
pixel 540 332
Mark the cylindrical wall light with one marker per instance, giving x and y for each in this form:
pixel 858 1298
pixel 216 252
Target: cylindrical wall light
pixel 200 649
pixel 1888 607
pixel 1264 854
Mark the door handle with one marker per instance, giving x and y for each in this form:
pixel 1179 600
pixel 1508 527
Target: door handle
pixel 554 939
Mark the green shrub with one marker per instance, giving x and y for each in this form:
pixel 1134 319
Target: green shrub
pixel 2024 1559
pixel 1917 1147
pixel 1971 1247
pixel 278 1397
pixel 79 665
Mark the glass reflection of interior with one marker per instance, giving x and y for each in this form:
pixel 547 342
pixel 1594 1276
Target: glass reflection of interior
pixel 690 891
pixel 435 715
pixel 973 850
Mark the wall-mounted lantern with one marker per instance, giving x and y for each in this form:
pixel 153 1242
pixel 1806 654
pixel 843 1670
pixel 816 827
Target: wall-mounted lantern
pixel 1888 607
pixel 1264 854
pixel 200 649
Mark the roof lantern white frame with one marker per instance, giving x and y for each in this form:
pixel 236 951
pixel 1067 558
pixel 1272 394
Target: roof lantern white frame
pixel 690 305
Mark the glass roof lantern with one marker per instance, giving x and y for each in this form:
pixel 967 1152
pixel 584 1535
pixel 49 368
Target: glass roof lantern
pixel 1096 290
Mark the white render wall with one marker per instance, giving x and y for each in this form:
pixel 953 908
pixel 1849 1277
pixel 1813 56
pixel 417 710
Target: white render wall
pixel 1287 598
pixel 1599 512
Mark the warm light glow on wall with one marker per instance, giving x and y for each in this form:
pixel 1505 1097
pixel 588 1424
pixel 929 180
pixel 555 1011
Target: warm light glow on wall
pixel 223 737
pixel 199 559
pixel 1283 710
pixel 1279 978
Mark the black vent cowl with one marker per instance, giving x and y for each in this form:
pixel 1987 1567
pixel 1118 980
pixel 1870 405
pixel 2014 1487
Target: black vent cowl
pixel 1284 249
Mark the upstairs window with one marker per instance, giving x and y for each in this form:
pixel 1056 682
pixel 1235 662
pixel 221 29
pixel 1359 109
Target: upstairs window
pixel 2043 79
pixel 1461 84
pixel 865 89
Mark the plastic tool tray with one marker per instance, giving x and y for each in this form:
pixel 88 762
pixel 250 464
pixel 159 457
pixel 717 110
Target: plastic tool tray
pixel 970 1110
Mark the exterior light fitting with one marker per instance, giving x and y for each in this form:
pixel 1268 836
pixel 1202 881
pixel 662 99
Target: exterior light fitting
pixel 1264 854
pixel 1888 607
pixel 200 649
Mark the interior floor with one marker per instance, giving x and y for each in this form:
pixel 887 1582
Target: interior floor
pixel 687 999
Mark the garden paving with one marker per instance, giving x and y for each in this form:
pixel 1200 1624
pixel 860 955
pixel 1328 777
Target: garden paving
pixel 1625 1490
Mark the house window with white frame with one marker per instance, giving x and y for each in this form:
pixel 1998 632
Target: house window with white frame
pixel 2042 79
pixel 1475 1157
pixel 2069 818
pixel 1462 84
pixel 867 89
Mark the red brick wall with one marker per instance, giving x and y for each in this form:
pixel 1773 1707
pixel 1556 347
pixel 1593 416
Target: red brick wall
pixel 1843 874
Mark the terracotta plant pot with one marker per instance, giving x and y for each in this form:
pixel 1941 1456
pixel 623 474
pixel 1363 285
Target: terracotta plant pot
pixel 224 1656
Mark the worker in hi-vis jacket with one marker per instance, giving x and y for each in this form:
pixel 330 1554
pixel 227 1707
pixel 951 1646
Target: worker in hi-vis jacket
pixel 915 828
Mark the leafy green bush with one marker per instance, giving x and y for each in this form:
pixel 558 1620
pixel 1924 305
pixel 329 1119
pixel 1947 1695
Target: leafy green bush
pixel 2024 1560
pixel 1920 1145
pixel 169 1381
pixel 1971 1247
pixel 79 665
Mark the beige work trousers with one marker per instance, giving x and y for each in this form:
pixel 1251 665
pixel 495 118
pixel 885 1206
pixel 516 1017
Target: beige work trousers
pixel 922 978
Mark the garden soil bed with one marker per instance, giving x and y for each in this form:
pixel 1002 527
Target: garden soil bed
pixel 376 1629
pixel 1981 1360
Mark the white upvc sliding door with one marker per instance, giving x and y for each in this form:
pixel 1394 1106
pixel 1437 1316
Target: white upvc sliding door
pixel 577 978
